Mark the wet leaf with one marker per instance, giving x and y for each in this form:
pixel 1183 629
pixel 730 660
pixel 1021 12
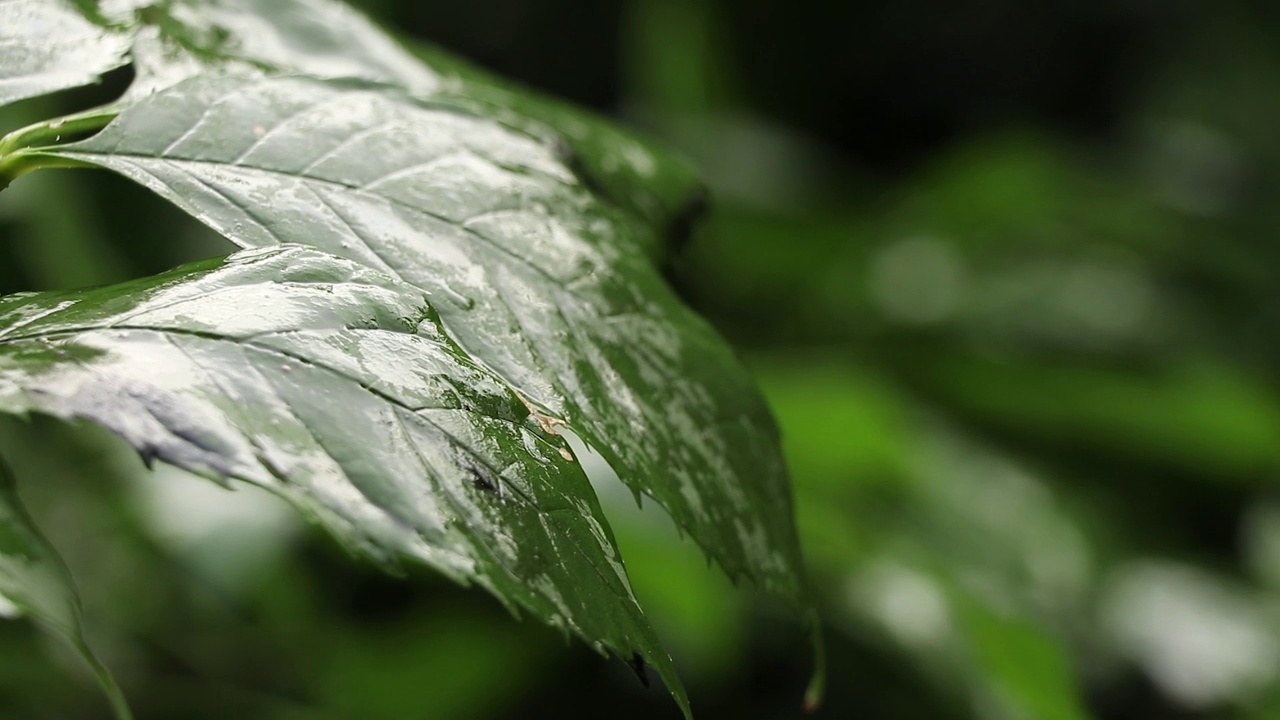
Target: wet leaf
pixel 535 274
pixel 327 39
pixel 46 46
pixel 534 232
pixel 336 387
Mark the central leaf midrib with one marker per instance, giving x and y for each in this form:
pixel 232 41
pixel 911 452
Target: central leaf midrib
pixel 89 155
pixel 550 514
pixel 245 342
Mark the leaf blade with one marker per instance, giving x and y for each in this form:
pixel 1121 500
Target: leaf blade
pixel 543 282
pixel 335 387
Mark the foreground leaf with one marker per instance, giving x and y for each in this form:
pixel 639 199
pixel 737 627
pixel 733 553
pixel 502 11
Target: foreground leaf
pixel 534 276
pixel 336 387
pixel 525 224
pixel 534 231
pixel 327 39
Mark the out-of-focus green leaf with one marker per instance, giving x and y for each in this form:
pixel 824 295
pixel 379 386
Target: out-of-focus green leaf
pixel 235 369
pixel 370 673
pixel 1204 415
pixel 1025 666
pixel 845 428
pixel 1226 647
pixel 35 581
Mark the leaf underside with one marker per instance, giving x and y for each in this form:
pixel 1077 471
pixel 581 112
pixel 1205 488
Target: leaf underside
pixel 448 272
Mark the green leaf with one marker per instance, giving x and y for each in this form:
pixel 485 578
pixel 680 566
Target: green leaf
pixel 46 46
pixel 181 38
pixel 534 231
pixel 326 39
pixel 1021 661
pixel 35 581
pixel 621 168
pixel 336 387
pixel 535 276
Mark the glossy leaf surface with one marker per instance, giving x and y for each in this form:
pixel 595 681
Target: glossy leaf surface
pixel 522 239
pixel 336 387
pixel 46 46
pixel 543 281
pixel 327 39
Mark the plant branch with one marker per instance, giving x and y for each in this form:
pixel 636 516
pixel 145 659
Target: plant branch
pixel 17 164
pixel 47 132
pixel 16 156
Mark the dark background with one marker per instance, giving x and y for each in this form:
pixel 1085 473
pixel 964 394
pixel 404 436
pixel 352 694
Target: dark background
pixel 1008 274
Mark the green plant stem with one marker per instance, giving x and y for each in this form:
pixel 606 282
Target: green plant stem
pixel 16 156
pixel 51 131
pixel 15 165
pixel 813 695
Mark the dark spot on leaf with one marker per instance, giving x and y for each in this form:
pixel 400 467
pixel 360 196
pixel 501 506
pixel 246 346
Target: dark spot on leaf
pixel 484 480
pixel 638 666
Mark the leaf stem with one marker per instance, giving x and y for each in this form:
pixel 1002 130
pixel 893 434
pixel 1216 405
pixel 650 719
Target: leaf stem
pixel 16 158
pixel 17 164
pixel 51 131
pixel 818 681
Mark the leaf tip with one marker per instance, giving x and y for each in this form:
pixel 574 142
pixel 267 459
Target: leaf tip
pixel 813 695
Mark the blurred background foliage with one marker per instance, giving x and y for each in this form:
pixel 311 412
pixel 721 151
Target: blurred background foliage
pixel 1007 272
